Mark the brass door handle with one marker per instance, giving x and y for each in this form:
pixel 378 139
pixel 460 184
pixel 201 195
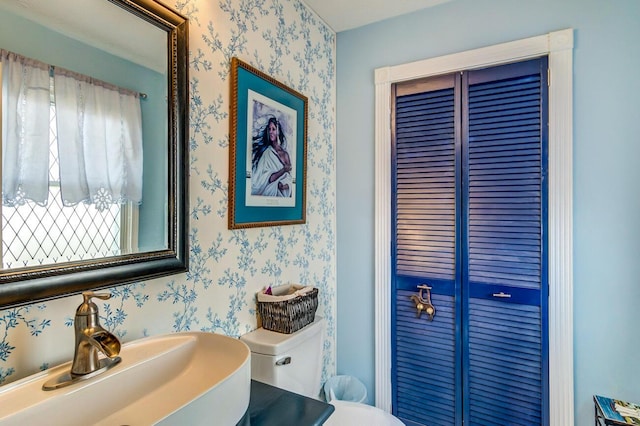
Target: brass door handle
pixel 422 303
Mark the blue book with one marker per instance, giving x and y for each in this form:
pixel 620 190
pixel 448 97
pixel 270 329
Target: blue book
pixel 616 412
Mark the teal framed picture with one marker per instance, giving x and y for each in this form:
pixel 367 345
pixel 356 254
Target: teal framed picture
pixel 267 150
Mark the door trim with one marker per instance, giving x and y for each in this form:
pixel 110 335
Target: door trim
pixel 558 46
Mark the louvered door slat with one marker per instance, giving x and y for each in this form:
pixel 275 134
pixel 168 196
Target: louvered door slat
pixel 522 94
pixel 425 188
pixel 505 198
pixel 425 362
pixel 425 184
pixel 504 367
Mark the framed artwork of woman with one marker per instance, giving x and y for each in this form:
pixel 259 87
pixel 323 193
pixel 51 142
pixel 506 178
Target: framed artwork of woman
pixel 267 161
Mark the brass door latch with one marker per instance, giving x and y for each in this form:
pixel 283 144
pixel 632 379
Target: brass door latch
pixel 424 304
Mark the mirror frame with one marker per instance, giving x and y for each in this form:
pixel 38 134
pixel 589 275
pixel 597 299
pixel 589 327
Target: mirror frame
pixel 35 284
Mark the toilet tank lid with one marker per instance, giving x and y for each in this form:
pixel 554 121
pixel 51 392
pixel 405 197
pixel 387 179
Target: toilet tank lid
pixel 268 342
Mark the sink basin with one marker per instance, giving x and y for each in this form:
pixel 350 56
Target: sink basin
pixel 180 378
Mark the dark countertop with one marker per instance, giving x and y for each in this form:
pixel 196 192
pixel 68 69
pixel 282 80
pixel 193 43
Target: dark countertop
pixel 271 406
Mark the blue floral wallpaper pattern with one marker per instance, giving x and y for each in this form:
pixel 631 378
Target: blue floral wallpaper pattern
pixel 286 40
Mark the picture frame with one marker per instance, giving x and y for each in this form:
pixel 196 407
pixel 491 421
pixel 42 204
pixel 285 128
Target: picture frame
pixel 267 150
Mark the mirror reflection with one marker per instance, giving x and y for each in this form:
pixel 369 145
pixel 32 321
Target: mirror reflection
pixel 84 132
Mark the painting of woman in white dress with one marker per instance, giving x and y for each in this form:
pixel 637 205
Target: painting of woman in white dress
pixel 271 164
pixel 271 151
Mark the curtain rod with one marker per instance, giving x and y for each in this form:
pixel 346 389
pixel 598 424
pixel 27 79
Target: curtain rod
pixel 4 52
pixel 104 83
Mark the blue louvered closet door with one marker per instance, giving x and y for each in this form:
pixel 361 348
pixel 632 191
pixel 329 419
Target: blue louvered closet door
pixel 469 161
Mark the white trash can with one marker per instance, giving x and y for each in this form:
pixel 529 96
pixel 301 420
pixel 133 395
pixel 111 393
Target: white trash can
pixel 345 388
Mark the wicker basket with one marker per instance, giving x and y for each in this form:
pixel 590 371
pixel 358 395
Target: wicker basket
pixel 290 315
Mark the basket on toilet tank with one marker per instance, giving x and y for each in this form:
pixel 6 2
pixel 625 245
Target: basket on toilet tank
pixel 289 308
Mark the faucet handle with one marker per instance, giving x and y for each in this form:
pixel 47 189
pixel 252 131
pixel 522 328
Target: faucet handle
pixel 89 294
pixel 88 307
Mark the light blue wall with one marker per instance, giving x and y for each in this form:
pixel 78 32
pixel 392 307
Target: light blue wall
pixel 606 172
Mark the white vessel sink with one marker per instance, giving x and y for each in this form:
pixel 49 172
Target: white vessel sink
pixel 181 378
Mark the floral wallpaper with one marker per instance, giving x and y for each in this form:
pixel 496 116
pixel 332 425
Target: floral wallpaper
pixel 286 40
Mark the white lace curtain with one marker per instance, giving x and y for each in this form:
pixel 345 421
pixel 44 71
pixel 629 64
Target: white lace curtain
pixel 99 129
pixel 25 129
pixel 99 140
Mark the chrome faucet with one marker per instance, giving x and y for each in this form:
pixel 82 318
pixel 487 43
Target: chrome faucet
pixel 91 338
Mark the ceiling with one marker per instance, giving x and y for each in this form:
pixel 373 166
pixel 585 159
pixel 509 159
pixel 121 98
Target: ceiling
pixel 92 21
pixel 342 15
pixel 100 24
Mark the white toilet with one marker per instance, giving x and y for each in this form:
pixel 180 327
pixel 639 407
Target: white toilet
pixel 294 362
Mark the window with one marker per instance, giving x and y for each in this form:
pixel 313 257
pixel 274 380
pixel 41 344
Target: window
pixel 35 235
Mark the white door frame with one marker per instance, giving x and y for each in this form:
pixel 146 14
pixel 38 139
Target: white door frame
pixel 558 46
